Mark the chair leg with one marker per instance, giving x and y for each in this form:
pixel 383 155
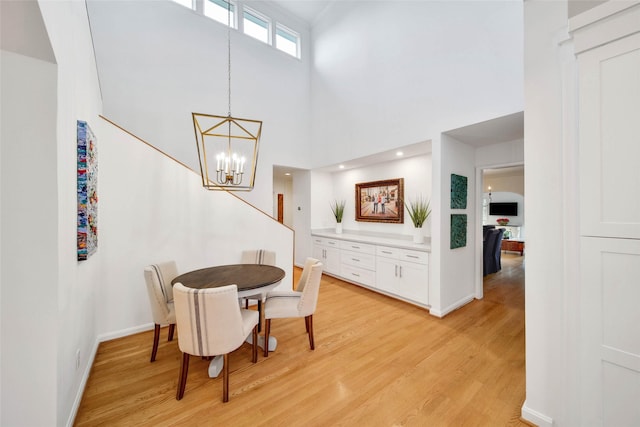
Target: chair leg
pixel 267 327
pixel 225 378
pixel 309 320
pixel 306 323
pixel 172 328
pixel 182 379
pixel 259 313
pixel 156 338
pixel 254 346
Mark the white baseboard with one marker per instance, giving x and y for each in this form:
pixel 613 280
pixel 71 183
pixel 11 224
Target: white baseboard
pixel 456 305
pixel 125 332
pixel 87 370
pixel 535 417
pixel 83 383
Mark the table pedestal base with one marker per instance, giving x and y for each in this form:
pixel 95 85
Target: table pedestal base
pixel 273 342
pixel 215 366
pixel 217 363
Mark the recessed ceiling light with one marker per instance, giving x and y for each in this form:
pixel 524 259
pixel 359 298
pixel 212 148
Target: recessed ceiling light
pixel 287 174
pixel 399 153
pixel 341 166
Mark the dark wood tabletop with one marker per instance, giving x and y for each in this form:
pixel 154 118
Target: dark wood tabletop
pixel 245 276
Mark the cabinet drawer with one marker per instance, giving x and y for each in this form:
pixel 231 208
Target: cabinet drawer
pixel 388 252
pixel 358 259
pixel 414 256
pixel 322 241
pixel 358 247
pixel 358 275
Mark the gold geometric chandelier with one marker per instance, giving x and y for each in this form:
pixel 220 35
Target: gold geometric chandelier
pixel 227 146
pixel 227 151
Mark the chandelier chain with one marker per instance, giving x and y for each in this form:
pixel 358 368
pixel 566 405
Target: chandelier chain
pixel 229 53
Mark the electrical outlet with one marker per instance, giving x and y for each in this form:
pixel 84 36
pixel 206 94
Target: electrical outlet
pixel 77 359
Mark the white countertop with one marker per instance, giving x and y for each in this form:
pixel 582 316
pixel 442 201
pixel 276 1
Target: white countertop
pixel 393 240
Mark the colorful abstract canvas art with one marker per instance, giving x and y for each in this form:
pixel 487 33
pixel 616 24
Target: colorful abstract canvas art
pixel 87 191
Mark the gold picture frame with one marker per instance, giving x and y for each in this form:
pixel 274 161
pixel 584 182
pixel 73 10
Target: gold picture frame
pixel 380 201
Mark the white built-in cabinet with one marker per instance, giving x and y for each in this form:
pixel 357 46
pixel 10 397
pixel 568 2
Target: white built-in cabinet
pixel 358 262
pixel 607 46
pixel 327 251
pixel 403 272
pixel 396 271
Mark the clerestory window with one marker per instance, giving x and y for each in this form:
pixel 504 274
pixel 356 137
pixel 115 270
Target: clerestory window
pixel 257 25
pixel 287 40
pixel 221 11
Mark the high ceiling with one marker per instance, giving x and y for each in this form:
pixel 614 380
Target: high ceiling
pixel 307 10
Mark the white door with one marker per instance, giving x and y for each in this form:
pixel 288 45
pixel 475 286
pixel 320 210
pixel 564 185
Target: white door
pixel 610 335
pixel 609 102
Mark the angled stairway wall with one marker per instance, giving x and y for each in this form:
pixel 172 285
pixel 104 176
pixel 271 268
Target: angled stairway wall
pixel 151 209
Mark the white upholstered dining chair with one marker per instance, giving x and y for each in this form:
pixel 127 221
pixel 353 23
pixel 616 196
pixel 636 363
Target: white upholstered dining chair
pixel 306 269
pixel 210 323
pixel 257 256
pixel 158 278
pixel 287 304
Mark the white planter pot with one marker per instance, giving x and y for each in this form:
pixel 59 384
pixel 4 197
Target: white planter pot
pixel 339 228
pixel 418 237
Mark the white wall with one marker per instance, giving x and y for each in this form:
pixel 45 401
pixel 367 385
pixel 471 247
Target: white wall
pixel 388 74
pixel 302 215
pixel 29 291
pixel 502 155
pixel 416 172
pixel 160 61
pixel 456 284
pixel 78 99
pixel 506 197
pixel 551 373
pixel 508 183
pixel 323 194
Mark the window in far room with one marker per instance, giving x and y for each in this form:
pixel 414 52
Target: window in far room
pixel 221 11
pixel 287 41
pixel 257 25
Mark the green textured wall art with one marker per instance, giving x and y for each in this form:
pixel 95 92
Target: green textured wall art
pixel 458 191
pixel 458 231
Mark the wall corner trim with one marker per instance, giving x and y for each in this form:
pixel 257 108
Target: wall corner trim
pixel 535 417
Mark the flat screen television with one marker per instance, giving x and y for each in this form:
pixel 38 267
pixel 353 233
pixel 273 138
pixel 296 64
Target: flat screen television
pixel 504 208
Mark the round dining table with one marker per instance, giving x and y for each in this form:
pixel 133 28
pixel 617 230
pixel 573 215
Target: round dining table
pixel 253 281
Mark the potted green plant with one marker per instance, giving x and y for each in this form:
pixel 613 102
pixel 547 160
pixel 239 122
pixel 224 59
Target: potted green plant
pixel 419 210
pixel 337 207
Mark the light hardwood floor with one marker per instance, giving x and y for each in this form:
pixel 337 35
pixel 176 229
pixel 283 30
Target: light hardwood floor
pixel 377 362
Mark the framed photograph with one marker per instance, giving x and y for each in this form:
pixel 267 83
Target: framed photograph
pixel 380 201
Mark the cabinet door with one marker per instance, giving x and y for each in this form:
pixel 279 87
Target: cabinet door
pixel 318 253
pixel 387 274
pixel 610 331
pixel 413 281
pixel 609 129
pixel 331 260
